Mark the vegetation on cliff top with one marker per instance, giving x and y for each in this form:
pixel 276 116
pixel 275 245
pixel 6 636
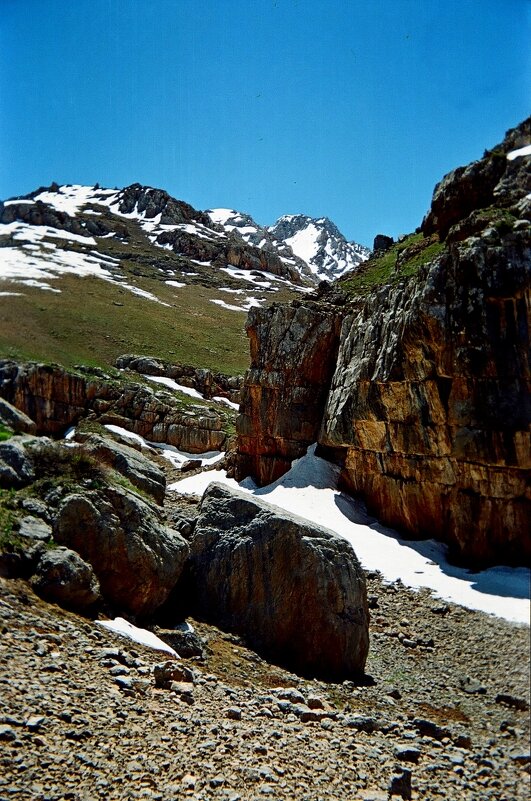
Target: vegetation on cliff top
pixel 403 259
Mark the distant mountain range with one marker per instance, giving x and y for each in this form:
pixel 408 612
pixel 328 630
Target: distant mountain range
pixel 138 247
pixel 297 248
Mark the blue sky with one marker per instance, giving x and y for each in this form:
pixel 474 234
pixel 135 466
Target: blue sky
pixel 353 110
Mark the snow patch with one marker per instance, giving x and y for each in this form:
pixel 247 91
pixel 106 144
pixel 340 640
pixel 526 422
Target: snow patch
pixel 142 636
pixel 522 151
pixel 169 382
pixel 309 490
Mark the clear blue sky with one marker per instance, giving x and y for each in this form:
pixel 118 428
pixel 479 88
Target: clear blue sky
pixel 351 109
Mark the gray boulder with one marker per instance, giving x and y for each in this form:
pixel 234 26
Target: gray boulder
pixel 63 577
pixel 16 467
pixel 15 419
pixel 295 591
pixel 140 470
pixel 33 528
pixel 136 558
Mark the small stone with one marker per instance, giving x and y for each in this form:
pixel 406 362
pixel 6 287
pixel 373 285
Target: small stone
pixel 234 713
pixel 512 701
pixel 407 754
pixel 521 757
pixel 34 722
pixel 189 782
pixel 124 682
pixel 314 702
pixel 217 781
pixel 7 733
pixel 172 671
pixel 463 741
pixel 183 690
pixel 119 670
pixel 400 784
pixel 290 694
pixel 361 723
pixel 471 686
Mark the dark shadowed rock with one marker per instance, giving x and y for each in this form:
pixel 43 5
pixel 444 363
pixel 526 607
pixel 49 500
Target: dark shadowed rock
pixel 63 577
pixel 136 558
pixel 140 470
pixel 382 242
pixel 294 590
pixel 15 419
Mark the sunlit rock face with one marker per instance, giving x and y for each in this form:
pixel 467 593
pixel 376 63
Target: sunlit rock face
pixel 428 406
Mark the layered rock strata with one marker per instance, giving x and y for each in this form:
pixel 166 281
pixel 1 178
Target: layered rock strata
pixel 428 406
pixel 56 398
pixel 293 355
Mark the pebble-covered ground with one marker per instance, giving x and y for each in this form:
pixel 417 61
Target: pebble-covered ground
pixel 444 713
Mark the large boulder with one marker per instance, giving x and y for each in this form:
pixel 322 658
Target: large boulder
pixel 136 558
pixel 136 467
pixel 16 465
pixel 295 591
pixel 15 419
pixel 63 577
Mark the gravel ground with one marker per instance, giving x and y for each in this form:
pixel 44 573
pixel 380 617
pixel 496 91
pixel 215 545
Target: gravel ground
pixel 444 713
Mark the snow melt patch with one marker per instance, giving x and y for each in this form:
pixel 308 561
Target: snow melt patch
pixel 522 151
pixel 309 490
pixel 71 198
pixel 226 401
pixel 171 384
pixel 142 636
pixel 228 306
pixel 169 452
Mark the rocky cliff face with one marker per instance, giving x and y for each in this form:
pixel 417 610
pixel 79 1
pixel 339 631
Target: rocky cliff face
pixel 293 354
pixel 428 406
pixel 56 398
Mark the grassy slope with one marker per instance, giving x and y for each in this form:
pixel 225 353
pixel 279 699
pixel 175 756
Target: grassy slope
pixel 403 259
pixel 93 321
pixel 83 325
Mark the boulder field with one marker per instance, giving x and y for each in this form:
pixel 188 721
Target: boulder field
pixel 81 522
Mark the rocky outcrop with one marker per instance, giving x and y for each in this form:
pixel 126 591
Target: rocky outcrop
pixel 56 398
pixel 16 420
pixel 295 591
pixel 136 467
pixel 136 558
pixel 206 382
pixel 16 466
pixel 293 354
pixel 494 179
pixel 428 409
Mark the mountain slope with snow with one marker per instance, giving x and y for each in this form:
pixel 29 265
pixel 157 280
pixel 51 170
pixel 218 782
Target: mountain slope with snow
pixel 320 244
pixel 314 246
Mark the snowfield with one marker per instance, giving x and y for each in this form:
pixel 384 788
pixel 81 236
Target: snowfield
pixel 309 490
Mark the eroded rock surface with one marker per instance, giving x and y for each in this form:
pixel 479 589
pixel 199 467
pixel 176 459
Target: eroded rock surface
pixel 427 405
pixel 136 558
pixel 295 591
pixel 293 354
pixel 56 398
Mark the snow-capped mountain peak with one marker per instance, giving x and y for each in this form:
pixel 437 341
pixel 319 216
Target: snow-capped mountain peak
pixel 320 244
